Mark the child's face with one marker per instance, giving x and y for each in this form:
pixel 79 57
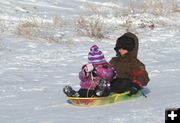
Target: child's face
pixel 123 52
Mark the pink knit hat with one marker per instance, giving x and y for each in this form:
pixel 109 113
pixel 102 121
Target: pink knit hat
pixel 95 55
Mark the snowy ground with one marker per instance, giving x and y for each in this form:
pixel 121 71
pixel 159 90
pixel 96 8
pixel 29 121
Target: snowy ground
pixel 33 73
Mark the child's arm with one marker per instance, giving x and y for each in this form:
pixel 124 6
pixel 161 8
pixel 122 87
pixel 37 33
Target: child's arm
pixel 85 72
pixel 139 74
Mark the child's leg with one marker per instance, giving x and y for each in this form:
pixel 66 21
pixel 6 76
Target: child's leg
pixel 102 89
pixel 121 85
pixel 86 93
pixel 70 92
pixel 106 92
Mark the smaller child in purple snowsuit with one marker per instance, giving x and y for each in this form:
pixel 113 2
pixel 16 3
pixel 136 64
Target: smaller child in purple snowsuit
pixel 95 76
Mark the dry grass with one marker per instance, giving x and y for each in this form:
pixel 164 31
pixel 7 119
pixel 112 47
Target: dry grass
pixel 104 11
pixel 93 24
pixel 140 8
pixel 28 28
pixel 175 6
pixel 155 7
pixel 93 9
pixel 92 27
pixel 3 26
pixel 58 22
pixel 37 28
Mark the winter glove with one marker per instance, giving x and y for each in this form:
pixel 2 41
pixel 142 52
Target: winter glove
pixel 88 68
pixel 134 89
pixel 85 71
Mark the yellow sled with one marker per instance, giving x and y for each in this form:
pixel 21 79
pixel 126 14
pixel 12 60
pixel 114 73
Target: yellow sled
pixel 96 101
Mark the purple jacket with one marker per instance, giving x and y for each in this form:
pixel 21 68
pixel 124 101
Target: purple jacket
pixel 88 81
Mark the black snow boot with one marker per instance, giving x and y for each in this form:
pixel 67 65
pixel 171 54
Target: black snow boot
pixel 70 92
pixel 134 89
pixel 101 88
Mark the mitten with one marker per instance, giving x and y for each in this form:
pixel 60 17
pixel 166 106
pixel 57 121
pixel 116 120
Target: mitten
pixel 134 89
pixel 89 67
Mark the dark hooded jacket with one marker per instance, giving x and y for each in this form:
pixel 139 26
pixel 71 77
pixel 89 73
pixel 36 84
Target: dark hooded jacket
pixel 129 66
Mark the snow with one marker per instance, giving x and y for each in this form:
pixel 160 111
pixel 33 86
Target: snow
pixel 33 71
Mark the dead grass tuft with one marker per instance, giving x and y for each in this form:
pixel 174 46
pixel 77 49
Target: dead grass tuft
pixel 37 28
pixel 90 26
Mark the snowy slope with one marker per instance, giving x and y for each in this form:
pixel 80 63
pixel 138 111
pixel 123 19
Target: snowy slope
pixel 33 73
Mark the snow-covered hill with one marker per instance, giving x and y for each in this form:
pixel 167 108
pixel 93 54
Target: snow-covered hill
pixel 33 72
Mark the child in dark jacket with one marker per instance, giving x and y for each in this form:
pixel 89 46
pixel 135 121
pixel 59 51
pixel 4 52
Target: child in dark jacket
pixel 95 76
pixel 131 72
